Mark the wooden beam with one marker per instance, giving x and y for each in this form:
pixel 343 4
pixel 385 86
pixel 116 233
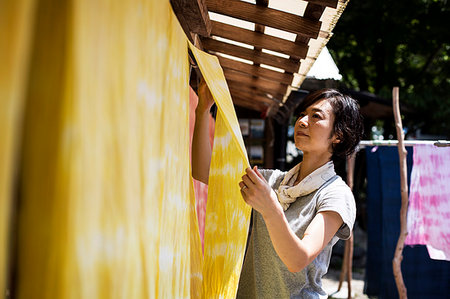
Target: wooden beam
pixel 313 11
pixel 284 78
pixel 247 89
pixel 193 16
pixel 254 97
pixel 236 85
pixel 258 82
pixel 327 3
pixel 243 102
pixel 288 65
pixel 258 27
pixel 248 103
pixel 260 40
pixel 264 3
pixel 266 16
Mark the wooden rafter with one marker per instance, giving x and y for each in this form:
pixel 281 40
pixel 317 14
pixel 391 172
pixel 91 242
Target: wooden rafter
pixel 259 29
pixel 250 81
pixel 235 92
pixel 314 11
pixel 264 3
pixel 325 3
pixel 258 39
pixel 266 16
pixel 284 78
pixel 254 105
pixel 290 66
pixel 236 85
pixel 193 17
pixel 263 84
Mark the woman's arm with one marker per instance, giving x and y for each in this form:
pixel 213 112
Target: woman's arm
pixel 295 253
pixel 298 253
pixel 201 147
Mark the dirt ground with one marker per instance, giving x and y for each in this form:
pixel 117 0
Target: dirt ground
pixel 331 281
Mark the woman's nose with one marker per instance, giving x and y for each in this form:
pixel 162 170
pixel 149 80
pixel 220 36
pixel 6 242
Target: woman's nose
pixel 303 121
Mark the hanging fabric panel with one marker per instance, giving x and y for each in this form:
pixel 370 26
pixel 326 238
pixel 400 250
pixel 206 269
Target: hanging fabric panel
pixel 16 21
pixel 105 207
pixel 429 201
pixel 227 215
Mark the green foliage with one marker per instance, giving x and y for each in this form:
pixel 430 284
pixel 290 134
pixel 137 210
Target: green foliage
pixel 381 44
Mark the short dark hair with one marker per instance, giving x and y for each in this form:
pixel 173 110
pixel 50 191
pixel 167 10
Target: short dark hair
pixel 348 124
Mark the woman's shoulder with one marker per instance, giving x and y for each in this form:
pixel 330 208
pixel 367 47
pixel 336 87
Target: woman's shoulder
pixel 337 184
pixel 335 191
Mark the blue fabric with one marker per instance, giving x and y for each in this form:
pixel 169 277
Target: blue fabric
pixel 423 277
pixel 373 201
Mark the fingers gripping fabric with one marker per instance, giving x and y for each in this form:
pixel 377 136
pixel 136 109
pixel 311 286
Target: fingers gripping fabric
pixel 227 215
pixel 105 201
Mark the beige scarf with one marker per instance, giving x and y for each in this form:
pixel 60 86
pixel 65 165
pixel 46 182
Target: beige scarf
pixel 288 193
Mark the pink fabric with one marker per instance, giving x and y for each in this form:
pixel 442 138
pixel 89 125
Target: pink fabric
pixel 429 201
pixel 201 190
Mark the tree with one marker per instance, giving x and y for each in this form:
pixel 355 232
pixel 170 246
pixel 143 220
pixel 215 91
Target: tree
pixel 381 44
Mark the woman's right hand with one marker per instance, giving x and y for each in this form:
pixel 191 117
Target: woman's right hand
pixel 205 98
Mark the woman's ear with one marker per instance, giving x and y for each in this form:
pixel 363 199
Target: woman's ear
pixel 336 138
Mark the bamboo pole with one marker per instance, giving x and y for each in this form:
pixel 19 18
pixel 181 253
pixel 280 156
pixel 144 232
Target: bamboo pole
pixel 437 143
pixel 396 262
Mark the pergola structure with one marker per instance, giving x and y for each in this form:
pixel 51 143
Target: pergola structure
pixel 266 48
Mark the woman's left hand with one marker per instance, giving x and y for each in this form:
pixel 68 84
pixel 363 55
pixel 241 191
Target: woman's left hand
pixel 258 194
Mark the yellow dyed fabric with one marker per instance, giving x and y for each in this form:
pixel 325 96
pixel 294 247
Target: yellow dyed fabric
pixel 15 37
pixel 227 215
pixel 94 117
pixel 105 193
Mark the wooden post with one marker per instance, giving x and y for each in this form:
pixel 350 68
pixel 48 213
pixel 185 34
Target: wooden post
pixel 350 265
pixel 396 262
pixel 347 262
pixel 343 267
pixel 349 242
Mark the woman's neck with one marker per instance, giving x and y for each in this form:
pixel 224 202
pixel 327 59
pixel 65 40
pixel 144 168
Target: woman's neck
pixel 311 163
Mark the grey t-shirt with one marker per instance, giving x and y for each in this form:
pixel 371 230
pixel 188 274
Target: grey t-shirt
pixel 264 275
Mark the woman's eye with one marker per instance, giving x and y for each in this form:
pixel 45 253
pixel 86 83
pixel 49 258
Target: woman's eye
pixel 315 115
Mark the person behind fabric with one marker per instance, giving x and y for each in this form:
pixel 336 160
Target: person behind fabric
pixel 298 215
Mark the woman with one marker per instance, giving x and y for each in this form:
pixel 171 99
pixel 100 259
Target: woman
pixel 297 215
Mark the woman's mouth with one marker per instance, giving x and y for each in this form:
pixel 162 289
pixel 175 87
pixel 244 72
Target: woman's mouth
pixel 301 134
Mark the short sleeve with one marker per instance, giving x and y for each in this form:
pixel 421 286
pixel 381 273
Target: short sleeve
pixel 338 197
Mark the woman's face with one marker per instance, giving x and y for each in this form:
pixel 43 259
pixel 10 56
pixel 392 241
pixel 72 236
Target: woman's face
pixel 314 127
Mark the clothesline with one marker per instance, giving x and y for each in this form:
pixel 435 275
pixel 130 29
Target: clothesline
pixel 438 143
